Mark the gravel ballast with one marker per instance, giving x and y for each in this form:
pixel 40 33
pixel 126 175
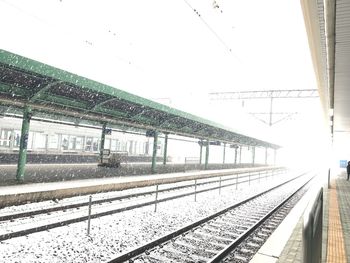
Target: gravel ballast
pixel 119 233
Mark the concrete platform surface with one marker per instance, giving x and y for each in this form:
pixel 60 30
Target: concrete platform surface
pixel 19 194
pixel 285 244
pixel 43 173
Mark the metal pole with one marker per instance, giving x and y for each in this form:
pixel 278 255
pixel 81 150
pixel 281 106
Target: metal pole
pixel 220 186
pixel 22 158
pixel 165 148
pixel 249 178
pixel 200 152
pixel 240 154
pixel 154 154
pixel 270 121
pixel 266 156
pixel 236 155
pixel 274 156
pixel 236 181
pixel 195 190
pixel 155 204
pixel 259 177
pixel 329 178
pixel 253 155
pixel 103 138
pixel 223 158
pixel 206 155
pixel 89 215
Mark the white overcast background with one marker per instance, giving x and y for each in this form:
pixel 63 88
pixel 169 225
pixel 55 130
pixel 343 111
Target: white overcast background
pixel 176 52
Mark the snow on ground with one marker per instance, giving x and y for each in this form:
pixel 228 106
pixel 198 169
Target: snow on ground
pixel 118 233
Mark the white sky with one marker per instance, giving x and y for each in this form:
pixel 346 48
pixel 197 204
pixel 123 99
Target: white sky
pixel 163 49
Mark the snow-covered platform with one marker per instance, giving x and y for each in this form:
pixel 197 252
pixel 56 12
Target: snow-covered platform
pixel 23 193
pixel 55 172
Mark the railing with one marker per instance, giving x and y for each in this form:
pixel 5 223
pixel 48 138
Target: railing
pixel 312 229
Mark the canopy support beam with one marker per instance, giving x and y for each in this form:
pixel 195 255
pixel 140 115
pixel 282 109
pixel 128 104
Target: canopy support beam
pixel 154 153
pixel 206 155
pixel 165 148
pixel 22 158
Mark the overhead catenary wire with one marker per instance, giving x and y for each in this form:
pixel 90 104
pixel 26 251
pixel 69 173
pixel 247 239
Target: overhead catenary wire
pixel 222 41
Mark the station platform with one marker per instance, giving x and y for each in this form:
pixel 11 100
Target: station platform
pixel 23 193
pixel 57 172
pixel 285 244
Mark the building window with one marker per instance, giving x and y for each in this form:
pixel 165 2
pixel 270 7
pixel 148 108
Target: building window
pixel 119 146
pixel 114 145
pixel 52 141
pixel 124 146
pixel 40 140
pixel 107 144
pixel 65 142
pixel 30 140
pixel 95 143
pixel 5 138
pixel 17 138
pixel 131 149
pixel 88 145
pixel 79 141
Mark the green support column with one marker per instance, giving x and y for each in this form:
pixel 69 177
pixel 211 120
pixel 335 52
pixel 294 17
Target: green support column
pixel 253 155
pixel 102 144
pixel 240 154
pixel 223 158
pixel 22 159
pixel 165 148
pixel 200 151
pixel 154 154
pixel 236 149
pixel 206 155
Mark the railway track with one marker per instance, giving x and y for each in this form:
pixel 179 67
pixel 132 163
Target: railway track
pixel 20 224
pixel 223 236
pixel 45 210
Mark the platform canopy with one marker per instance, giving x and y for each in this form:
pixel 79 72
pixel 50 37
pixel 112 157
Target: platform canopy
pixel 54 93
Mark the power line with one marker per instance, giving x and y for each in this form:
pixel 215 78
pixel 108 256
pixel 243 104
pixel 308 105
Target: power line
pixel 211 29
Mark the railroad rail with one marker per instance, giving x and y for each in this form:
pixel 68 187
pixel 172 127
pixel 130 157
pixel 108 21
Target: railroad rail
pixel 252 176
pixel 45 221
pixel 217 236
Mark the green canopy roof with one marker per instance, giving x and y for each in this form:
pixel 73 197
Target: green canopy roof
pixel 54 93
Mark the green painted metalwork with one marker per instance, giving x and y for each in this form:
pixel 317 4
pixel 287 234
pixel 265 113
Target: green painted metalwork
pixel 102 143
pixel 206 155
pixel 200 151
pixel 240 154
pixel 236 149
pixel 62 101
pixel 21 78
pixel 253 155
pixel 113 113
pixel 22 159
pixel 98 105
pixel 223 158
pixel 168 122
pixel 165 149
pixel 40 93
pixel 154 153
pixel 12 90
